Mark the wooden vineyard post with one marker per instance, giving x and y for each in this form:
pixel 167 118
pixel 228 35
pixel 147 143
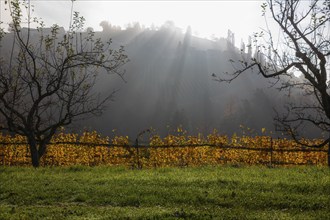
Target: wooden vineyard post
pixel 136 145
pixel 271 152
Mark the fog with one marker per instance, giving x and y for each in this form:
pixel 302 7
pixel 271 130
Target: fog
pixel 169 84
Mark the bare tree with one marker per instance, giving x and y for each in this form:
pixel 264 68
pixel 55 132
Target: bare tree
pixel 48 77
pixel 303 47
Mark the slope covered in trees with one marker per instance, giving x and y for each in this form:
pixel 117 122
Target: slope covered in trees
pixel 168 83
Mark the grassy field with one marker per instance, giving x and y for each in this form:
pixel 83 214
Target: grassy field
pixel 221 192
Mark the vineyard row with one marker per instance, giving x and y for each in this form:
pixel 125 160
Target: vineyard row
pixel 174 150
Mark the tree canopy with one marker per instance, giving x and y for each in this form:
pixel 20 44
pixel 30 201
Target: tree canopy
pixel 47 80
pixel 302 48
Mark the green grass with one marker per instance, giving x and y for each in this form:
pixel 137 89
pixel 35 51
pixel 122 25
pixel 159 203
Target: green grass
pixel 221 192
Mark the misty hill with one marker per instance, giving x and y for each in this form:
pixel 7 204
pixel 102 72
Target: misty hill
pixel 169 83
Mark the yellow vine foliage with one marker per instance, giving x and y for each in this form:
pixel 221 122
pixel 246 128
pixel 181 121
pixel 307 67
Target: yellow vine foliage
pixel 173 150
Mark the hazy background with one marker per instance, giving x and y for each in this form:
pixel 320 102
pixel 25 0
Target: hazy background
pixel 174 48
pixel 208 19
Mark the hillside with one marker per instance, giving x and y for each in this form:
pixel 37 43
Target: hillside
pixel 168 83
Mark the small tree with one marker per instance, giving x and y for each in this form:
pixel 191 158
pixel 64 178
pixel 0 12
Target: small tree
pixel 47 80
pixel 304 47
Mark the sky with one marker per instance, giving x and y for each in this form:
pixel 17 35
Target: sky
pixel 207 19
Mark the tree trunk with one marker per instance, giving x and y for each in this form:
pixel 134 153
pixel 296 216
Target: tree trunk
pixel 329 154
pixel 34 156
pixel 34 152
